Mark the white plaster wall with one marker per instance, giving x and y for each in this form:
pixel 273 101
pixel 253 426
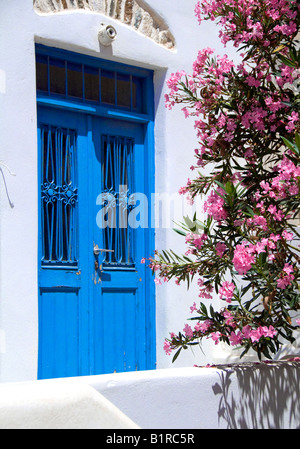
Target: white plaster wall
pixel 18 194
pixel 58 405
pixel 245 396
pixel 20 28
pixel 241 396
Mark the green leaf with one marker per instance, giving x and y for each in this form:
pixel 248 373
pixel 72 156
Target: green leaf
pixel 176 355
pixel 203 309
pixel 220 185
pixel 190 224
pixel 286 61
pixel 290 145
pixel 229 188
pixel 249 211
pixel 166 256
pixel 179 231
pixel 297 138
pixel 293 54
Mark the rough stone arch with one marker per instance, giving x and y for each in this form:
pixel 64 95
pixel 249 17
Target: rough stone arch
pixel 135 13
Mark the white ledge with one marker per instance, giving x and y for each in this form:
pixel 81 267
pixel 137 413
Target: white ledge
pixel 246 395
pixel 58 404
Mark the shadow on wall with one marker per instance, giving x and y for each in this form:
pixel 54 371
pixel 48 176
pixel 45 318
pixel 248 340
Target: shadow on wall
pixel 259 396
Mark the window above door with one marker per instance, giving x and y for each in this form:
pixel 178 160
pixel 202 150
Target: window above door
pixel 65 76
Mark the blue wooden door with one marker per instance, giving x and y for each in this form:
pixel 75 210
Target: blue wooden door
pixel 94 305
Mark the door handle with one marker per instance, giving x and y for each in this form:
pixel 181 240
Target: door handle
pixel 98 250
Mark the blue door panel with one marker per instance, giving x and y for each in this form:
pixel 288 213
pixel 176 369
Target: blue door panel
pixel 93 318
pixel 63 299
pixel 59 315
pixel 118 289
pixel 119 333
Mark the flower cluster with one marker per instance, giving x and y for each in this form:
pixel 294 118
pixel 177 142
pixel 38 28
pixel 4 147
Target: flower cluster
pixel 243 258
pixel 226 291
pixel 247 122
pixel 214 206
pixel 282 12
pixel 229 331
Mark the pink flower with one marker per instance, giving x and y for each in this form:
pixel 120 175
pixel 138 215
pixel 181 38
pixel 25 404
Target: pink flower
pixel 272 209
pixel 201 60
pixel 236 338
pixel 167 347
pixel 188 331
pixel 214 206
pixel 143 260
pixel 193 307
pixel 287 29
pixel 229 321
pixel 283 282
pixel 154 266
pixel 265 186
pixel 270 332
pixel 220 249
pixel 247 331
pixel 260 248
pixel 288 268
pixel 277 214
pixel 287 235
pixel 256 334
pixel 198 240
pixel 186 112
pixel 294 117
pixel 226 291
pixel 172 82
pixel 286 277
pixel 205 290
pixel 251 81
pixel 182 190
pixel 273 105
pixel 203 326
pixel 197 327
pixel 249 154
pixel 260 221
pixel 216 337
pixel 243 258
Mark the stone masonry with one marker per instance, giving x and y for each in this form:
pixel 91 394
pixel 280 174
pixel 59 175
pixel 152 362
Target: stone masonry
pixel 135 13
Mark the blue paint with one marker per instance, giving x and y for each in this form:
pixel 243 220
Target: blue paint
pixel 59 195
pixel 96 313
pixel 73 77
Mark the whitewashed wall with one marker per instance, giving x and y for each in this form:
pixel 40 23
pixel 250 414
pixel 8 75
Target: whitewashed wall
pixel 20 28
pixel 245 396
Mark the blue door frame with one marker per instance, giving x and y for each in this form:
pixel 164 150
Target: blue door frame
pixel 96 312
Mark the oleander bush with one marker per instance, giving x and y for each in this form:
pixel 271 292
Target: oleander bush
pixel 246 116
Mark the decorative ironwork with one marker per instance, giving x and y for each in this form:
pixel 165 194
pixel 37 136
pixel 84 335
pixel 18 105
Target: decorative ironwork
pixel 118 185
pixel 59 196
